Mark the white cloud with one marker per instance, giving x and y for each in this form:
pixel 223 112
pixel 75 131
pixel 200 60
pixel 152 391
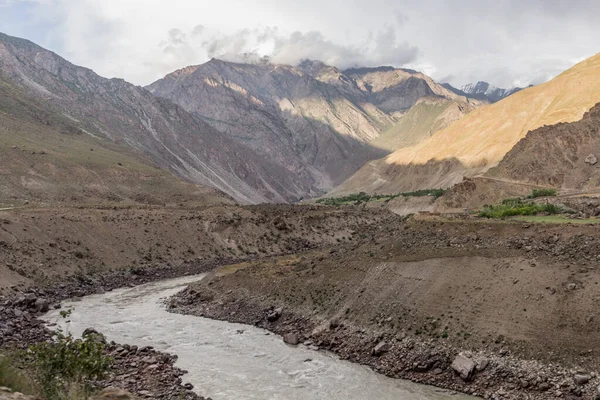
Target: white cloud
pixel 505 43
pixel 250 45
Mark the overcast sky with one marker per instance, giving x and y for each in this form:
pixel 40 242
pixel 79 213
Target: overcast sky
pixel 504 42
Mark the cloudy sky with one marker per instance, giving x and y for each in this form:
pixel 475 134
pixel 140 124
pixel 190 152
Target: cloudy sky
pixel 505 42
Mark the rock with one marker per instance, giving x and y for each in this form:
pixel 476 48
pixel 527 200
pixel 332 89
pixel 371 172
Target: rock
pixel 41 305
pixel 438 371
pixel 463 366
pixel 274 315
pixel 93 335
pixel 334 324
pixel 581 379
pixel 188 386
pixel 544 386
pixel 571 286
pixel 113 394
pixel 591 159
pixel 482 364
pixel 291 338
pixel 381 348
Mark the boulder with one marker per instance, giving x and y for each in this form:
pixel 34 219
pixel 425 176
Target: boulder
pixel 93 335
pixel 591 159
pixel 291 338
pixel 581 379
pixel 274 315
pixel 381 348
pixel 42 305
pixel 464 366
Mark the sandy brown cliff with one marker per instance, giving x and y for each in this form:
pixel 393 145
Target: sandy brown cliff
pixel 480 140
pixel 562 156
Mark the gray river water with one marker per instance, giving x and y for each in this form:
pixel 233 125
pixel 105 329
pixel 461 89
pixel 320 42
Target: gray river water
pixel 224 364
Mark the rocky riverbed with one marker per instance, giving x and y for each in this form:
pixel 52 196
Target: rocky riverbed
pixel 502 311
pixel 143 371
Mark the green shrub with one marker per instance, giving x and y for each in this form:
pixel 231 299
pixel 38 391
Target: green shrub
pixel 542 193
pixel 513 207
pixel 68 365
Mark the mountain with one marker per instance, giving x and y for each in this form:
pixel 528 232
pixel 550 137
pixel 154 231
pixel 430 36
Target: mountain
pixel 313 120
pixel 563 156
pixel 115 111
pixel 46 157
pixel 480 140
pixel 482 91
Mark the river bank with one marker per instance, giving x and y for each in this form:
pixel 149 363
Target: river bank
pixel 141 370
pixel 48 255
pixel 515 300
pixel 232 361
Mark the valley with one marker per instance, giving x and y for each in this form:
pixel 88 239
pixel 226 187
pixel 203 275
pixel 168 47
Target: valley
pixel 250 228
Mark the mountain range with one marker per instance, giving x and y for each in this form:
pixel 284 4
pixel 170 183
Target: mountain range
pixel 256 132
pixel 480 140
pixel 253 133
pixel 317 122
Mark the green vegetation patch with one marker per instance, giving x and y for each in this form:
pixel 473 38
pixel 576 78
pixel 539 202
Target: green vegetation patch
pixel 542 193
pixel 362 197
pixel 514 207
pixel 61 368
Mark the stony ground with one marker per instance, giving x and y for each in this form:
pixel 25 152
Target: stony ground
pixel 518 300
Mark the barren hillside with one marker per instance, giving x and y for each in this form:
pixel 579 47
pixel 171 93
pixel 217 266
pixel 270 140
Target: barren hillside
pixel 479 141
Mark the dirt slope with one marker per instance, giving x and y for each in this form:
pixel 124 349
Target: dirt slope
pixel 41 244
pixel 479 141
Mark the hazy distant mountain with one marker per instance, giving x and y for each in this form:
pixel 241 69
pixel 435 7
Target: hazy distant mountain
pixel 482 91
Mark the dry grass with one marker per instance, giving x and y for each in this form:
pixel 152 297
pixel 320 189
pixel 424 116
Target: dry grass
pixel 14 378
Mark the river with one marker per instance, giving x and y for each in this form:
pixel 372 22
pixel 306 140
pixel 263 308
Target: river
pixel 225 364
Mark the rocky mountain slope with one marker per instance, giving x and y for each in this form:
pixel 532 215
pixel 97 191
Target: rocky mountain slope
pixel 46 157
pixel 116 111
pixel 313 120
pixel 563 156
pixel 480 140
pixel 482 91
